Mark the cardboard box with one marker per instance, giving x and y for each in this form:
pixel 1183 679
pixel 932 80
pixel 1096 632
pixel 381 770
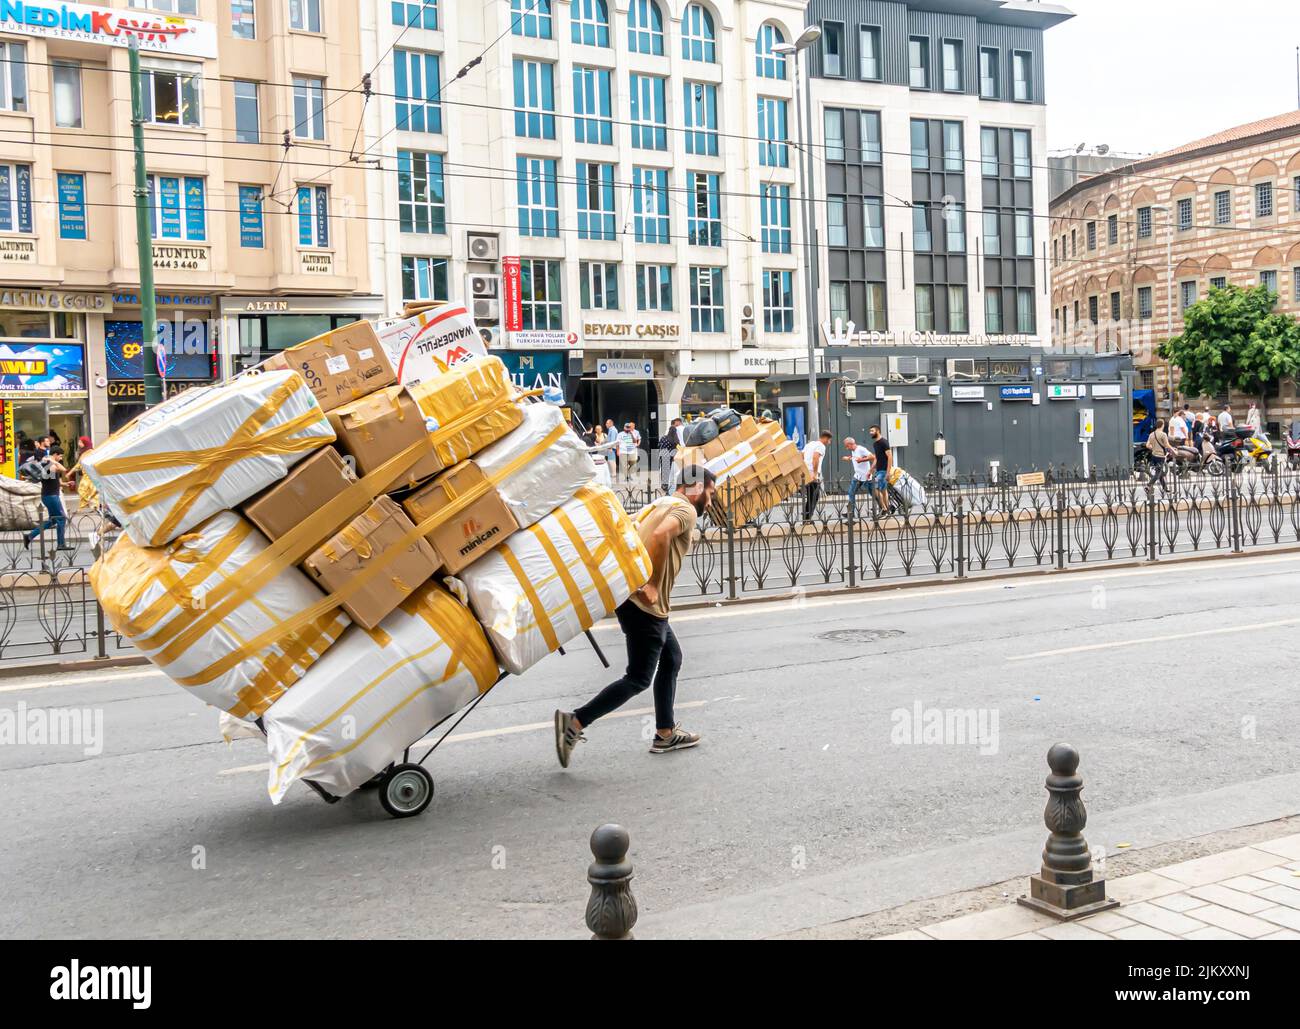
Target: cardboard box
pixel 788 457
pixel 374 532
pixel 467 534
pixel 713 449
pixel 732 462
pixel 748 427
pixel 339 366
pixel 380 426
pixel 467 407
pixel 767 468
pixel 310 486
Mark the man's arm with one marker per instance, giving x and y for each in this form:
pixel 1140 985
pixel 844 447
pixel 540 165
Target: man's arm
pixel 817 464
pixel 658 547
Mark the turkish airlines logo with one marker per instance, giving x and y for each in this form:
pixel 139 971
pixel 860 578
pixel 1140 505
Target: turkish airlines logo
pixel 839 333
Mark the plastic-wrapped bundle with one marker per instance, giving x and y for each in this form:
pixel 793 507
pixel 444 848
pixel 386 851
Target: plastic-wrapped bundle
pixel 156 598
pixel 549 582
pixel 205 451
pixel 533 483
pixel 376 692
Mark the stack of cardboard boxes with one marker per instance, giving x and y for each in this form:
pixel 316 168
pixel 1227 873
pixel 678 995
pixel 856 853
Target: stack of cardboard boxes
pixel 756 466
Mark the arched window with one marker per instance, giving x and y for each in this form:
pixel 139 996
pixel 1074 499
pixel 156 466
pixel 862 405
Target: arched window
pixel 590 21
pixel 645 28
pixel 770 65
pixel 699 42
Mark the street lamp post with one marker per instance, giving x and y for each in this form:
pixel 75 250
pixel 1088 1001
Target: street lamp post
pixel 1169 295
pixel 809 36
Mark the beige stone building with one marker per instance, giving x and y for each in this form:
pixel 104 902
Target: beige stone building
pixel 255 245
pixel 1133 247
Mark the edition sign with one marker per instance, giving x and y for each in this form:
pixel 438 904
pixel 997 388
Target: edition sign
pixel 85 23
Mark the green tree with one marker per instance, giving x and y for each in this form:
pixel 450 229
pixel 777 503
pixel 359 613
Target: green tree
pixel 1233 339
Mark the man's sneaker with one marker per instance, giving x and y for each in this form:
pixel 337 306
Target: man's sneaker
pixel 678 739
pixel 567 736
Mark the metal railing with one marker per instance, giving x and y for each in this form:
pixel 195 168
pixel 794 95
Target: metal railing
pixel 963 528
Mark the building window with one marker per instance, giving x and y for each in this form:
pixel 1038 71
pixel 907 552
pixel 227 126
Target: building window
pixel 954 219
pixel 876 321
pixel 172 93
pixel 1223 207
pixel 834 134
pixel 993 312
pixel 304 15
pixel 418 90
pixel 778 301
pixel 649 121
pixel 177 209
pixel 832 48
pixel 247 118
pixel 67 94
pixel 1220 282
pixel 598 283
pixel 839 302
pixel 774 207
pixel 589 22
pixel 645 28
pixel 1267 279
pixel 701 106
pixel 869 134
pixel 990 84
pixel 918 60
pixel 993 235
pixel 837 225
pixel 1092 235
pixel 1184 214
pixel 1263 200
pixel 650 205
pixel 1074 242
pixel 922 240
pixel 654 287
pixel 1022 63
pixel 1025 311
pixel 1024 234
pixel 251 228
pixel 534 99
pixel 1144 302
pixel 592 105
pixel 989 153
pixel 421 200
pixel 953 68
pixel 873 223
pixel 309 108
pixel 412 14
pixel 869 53
pixel 1186 294
pixel 539 283
pixel 920 145
pixel 706 300
pixel 953 150
pixel 925 308
pixel 595 201
pixel 705 224
pixel 539 205
pixel 16 197
pixel 1295 280
pixel 1021 159
pixel 313 216
pixel 13 76
pixel 957 320
pixel 1094 309
pixel 1144 223
pixel 698 38
pixel 773 131
pixel 1112 229
pixel 171 6
pixel 769 65
pixel 531 18
pixel 241 19
pixel 424 278
pixel 1114 307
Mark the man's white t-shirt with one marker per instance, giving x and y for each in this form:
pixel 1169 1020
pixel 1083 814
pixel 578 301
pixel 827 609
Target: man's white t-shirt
pixel 1225 420
pixel 1178 428
pixel 815 447
pixel 862 469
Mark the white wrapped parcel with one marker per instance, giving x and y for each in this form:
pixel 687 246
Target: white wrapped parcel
pixel 162 599
pixel 547 583
pixel 205 451
pixel 376 692
pixel 537 467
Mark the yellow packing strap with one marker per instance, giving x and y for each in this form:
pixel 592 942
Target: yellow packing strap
pixel 540 614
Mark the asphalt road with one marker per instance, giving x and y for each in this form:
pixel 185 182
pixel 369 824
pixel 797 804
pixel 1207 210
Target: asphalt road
pixel 800 807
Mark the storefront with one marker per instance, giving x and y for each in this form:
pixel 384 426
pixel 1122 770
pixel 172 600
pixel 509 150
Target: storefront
pixel 537 369
pixel 258 327
pixel 736 379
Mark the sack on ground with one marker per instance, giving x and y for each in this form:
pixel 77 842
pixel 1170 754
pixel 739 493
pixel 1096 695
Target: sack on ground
pixel 20 505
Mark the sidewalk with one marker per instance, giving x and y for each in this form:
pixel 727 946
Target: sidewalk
pixel 1249 893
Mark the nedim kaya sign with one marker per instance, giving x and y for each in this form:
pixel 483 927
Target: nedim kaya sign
pixel 85 23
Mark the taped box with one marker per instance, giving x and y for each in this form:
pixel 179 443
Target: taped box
pixel 467 407
pixel 361 551
pixel 311 485
pixel 375 428
pixel 548 583
pixel 206 451
pixel 376 692
pixel 162 599
pixel 339 366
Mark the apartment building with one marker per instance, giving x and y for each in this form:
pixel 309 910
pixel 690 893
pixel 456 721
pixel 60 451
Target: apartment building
pixel 1132 248
pixel 258 218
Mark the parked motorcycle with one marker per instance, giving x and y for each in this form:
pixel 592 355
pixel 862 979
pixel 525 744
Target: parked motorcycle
pixel 1240 448
pixel 1293 445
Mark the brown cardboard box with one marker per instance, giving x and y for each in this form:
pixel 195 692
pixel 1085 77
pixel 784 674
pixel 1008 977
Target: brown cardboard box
pixel 380 426
pixel 470 532
pixel 713 449
pixel 311 484
pixel 356 547
pixel 339 366
pixel 767 468
pixel 748 427
pixel 788 458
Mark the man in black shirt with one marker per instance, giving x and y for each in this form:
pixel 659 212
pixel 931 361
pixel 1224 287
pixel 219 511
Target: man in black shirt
pixel 52 473
pixel 880 476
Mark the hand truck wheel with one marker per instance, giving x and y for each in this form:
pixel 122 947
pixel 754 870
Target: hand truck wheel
pixel 406 790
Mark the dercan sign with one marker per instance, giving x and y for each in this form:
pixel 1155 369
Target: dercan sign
pixel 83 23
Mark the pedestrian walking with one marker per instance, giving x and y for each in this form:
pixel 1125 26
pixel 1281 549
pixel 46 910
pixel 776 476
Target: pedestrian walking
pixel 860 460
pixel 814 458
pixel 653 653
pixel 1225 418
pixel 668 444
pixel 1254 419
pixel 1161 449
pixel 52 472
pixel 611 434
pixel 880 460
pixel 629 443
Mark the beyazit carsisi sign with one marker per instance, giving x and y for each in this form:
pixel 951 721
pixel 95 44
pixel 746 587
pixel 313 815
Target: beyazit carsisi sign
pixel 84 23
pixel 431 342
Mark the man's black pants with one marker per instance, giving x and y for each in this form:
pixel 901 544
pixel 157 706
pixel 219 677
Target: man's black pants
pixel 652 655
pixel 812 492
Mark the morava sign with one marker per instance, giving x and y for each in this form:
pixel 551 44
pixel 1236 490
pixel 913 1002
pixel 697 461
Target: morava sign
pixel 86 23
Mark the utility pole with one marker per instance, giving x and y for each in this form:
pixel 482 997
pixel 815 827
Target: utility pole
pixel 153 384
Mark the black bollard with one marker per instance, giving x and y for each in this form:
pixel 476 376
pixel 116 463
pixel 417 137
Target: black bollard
pixel 1066 887
pixel 611 908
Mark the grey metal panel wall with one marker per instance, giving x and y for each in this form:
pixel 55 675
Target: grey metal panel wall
pixel 892 21
pixel 1012 37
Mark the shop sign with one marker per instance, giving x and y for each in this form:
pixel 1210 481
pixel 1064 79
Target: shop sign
pixel 85 23
pixel 1017 392
pixel 968 393
pixel 543 339
pixel 183 343
pixel 316 263
pixel 1062 392
pixel 72 205
pixel 54 300
pixel 621 368
pixel 8 445
pixel 132 391
pixel 44 368
pixel 165 299
pixel 632 331
pixel 18 251
pixel 535 371
pixel 513 298
pixel 180 258
pixel 1107 391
